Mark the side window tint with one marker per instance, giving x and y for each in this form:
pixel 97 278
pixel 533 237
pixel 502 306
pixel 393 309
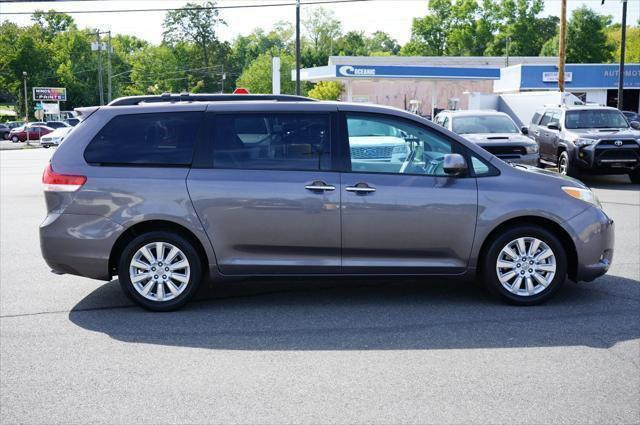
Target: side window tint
pixel 536 118
pixel 146 139
pixel 385 144
pixel 546 118
pixel 479 167
pixel 272 141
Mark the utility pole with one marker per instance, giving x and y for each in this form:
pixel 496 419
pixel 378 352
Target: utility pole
pixel 298 47
pixel 623 39
pixel 109 67
pixel 100 85
pixel 562 47
pixel 224 77
pixel 26 105
pixel 508 42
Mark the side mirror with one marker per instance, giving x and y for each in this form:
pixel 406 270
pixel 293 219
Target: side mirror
pixel 635 125
pixel 524 129
pixel 553 126
pixel 454 164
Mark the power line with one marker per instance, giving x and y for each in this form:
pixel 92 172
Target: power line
pixel 167 9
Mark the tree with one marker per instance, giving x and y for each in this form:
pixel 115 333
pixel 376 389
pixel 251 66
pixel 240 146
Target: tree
pixel 429 33
pixel 586 38
pixel 381 42
pixel 326 90
pixel 195 23
pixel 257 76
pixel 632 46
pixel 322 29
pixel 52 22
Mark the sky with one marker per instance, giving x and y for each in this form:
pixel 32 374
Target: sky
pixel 392 16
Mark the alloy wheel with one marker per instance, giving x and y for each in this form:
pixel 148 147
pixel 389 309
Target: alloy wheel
pixel 159 271
pixel 526 266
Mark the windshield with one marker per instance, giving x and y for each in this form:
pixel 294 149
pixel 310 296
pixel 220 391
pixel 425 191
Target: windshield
pixel 484 124
pixel 596 118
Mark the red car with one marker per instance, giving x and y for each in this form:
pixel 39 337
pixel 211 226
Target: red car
pixel 19 134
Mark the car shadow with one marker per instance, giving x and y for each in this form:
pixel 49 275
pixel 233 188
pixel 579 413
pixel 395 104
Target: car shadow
pixel 370 314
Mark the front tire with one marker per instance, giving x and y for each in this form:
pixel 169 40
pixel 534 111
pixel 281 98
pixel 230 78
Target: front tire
pixel 160 271
pixel 566 166
pixel 15 139
pixel 525 265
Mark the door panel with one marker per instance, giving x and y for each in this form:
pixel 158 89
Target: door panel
pixel 410 224
pixel 267 221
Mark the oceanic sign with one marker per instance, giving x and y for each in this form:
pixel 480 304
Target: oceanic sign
pixel 58 94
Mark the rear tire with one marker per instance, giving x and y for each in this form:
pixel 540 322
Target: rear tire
pixel 160 271
pixel 566 166
pixel 635 176
pixel 534 274
pixel 15 139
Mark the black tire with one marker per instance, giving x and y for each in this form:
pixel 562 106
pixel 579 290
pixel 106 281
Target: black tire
pixel 490 259
pixel 179 242
pixel 15 139
pixel 566 166
pixel 635 176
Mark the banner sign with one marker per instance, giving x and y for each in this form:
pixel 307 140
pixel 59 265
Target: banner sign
pixel 57 94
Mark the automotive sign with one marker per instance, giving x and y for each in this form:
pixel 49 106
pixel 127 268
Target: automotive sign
pixel 57 94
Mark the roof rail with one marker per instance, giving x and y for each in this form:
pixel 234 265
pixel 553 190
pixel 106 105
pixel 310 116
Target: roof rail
pixel 198 97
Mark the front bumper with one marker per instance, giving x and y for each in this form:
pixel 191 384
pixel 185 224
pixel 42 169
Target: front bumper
pixel 593 237
pixel 607 158
pixel 79 244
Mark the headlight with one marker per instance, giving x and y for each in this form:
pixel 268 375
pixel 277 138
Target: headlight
pixel 585 195
pixel 532 148
pixel 583 142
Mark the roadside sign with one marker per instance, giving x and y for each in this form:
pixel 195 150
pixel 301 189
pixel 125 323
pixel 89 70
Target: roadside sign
pixel 58 94
pixel 39 114
pixel 38 107
pixel 241 90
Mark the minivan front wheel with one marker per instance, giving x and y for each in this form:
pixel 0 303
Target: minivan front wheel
pixel 160 270
pixel 525 265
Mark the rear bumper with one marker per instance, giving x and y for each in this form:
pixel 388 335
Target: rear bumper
pixel 593 236
pixel 79 244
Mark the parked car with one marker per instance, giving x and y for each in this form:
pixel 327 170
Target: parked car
pixel 493 131
pixel 631 116
pixel 19 134
pixel 166 193
pixel 72 121
pixel 587 139
pixel 55 137
pixel 57 124
pixel 13 124
pixel 4 131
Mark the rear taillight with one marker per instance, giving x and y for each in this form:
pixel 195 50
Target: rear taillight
pixel 55 182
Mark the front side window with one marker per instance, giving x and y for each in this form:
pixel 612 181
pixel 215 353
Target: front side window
pixel 385 144
pixel 546 118
pixel 278 141
pixel 480 124
pixel 597 118
pixel 156 139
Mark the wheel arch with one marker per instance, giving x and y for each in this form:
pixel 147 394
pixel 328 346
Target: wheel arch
pixel 150 226
pixel 545 223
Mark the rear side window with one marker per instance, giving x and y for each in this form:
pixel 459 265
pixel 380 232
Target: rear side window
pixel 276 141
pixel 158 139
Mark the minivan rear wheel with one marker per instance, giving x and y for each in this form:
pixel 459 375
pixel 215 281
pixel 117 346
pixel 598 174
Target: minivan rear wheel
pixel 525 265
pixel 160 271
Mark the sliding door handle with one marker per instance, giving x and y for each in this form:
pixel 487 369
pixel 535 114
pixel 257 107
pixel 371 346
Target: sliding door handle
pixel 360 188
pixel 319 186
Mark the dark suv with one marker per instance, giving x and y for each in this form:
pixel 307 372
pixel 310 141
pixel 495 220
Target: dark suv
pixel 165 192
pixel 589 139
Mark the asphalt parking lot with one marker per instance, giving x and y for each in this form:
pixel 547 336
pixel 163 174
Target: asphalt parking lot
pixel 74 350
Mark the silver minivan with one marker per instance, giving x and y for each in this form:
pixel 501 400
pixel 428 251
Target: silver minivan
pixel 166 192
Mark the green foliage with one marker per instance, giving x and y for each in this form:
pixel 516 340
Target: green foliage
pixel 587 40
pixel 257 76
pixel 326 90
pixel 632 46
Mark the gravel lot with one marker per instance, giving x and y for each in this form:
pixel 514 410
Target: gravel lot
pixel 74 350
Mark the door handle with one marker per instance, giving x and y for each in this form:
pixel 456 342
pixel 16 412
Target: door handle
pixel 360 188
pixel 319 186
